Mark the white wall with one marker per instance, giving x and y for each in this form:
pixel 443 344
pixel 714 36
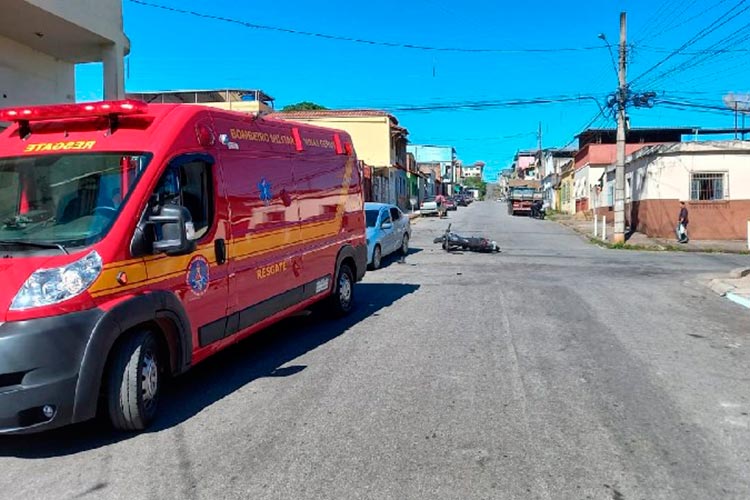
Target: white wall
pixel 31 77
pixel 668 176
pixel 41 40
pixel 103 17
pixel 585 179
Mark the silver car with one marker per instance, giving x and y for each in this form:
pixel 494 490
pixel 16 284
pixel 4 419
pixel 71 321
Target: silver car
pixel 388 231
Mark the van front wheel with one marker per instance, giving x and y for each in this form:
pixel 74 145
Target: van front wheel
pixel 134 383
pixel 342 300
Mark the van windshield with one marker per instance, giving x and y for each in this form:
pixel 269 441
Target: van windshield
pixel 63 200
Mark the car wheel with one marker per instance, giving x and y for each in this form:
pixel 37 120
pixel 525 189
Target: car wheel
pixel 134 383
pixel 377 258
pixel 342 301
pixel 405 245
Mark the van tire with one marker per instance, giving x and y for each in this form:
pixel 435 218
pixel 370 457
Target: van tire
pixel 341 301
pixel 134 382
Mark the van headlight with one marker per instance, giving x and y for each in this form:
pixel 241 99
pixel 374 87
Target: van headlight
pixel 50 286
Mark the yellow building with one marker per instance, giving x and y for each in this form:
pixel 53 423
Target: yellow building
pixel 244 100
pixel 567 185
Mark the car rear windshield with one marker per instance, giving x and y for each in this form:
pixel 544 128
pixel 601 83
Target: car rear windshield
pixel 69 199
pixel 371 217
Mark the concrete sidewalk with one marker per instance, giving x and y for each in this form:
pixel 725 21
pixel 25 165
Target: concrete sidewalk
pixel 641 241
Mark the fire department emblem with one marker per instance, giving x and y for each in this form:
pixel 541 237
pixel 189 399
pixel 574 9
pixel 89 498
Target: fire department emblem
pixel 265 191
pixel 197 275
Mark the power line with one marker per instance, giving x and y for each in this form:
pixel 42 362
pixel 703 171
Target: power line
pixel 597 117
pixel 363 41
pixel 484 105
pixel 664 50
pixel 657 19
pixel 716 24
pixel 727 42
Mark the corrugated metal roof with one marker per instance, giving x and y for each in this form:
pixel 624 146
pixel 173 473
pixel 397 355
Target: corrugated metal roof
pixel 201 96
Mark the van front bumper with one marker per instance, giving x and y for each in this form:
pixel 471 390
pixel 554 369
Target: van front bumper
pixel 40 363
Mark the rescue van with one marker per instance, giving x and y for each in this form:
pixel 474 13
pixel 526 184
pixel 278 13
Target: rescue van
pixel 139 239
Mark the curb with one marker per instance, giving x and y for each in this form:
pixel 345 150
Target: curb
pixel 738 299
pixel 740 272
pixel 719 287
pixel 657 245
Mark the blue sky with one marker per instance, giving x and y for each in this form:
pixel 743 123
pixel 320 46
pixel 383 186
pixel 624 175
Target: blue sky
pixel 178 51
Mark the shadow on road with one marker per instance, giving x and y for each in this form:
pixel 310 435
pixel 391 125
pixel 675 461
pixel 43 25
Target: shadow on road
pixel 262 355
pixel 396 258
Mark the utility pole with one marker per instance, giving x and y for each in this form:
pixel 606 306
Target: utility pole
pixel 541 156
pixel 619 233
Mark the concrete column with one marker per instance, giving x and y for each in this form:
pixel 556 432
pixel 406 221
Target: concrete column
pixel 114 71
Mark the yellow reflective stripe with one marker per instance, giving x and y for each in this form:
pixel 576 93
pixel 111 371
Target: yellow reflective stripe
pixel 157 268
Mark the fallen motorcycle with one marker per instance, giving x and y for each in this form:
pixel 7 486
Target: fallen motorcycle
pixel 452 241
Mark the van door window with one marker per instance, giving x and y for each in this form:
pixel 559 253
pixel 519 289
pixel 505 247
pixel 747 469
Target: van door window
pixel 189 184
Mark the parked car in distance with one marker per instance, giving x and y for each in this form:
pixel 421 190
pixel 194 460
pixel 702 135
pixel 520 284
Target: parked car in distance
pixel 428 207
pixel 450 203
pixel 388 231
pixel 461 201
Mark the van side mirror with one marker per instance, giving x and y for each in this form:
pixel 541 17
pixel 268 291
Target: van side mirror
pixel 386 225
pixel 170 226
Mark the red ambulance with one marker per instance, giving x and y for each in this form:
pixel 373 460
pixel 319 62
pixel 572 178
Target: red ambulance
pixel 139 239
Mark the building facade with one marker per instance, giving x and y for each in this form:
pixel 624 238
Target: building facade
pixel 525 165
pixel 442 157
pixel 591 162
pixel 474 170
pixel 712 178
pixel 567 202
pixel 41 41
pixel 552 162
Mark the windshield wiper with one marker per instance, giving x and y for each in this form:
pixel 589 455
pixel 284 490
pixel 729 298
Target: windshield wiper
pixel 35 244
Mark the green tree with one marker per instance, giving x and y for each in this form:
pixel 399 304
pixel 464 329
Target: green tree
pixel 302 106
pixel 476 183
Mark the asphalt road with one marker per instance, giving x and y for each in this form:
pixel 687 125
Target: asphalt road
pixel 553 370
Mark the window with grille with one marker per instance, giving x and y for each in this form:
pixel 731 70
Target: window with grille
pixel 707 186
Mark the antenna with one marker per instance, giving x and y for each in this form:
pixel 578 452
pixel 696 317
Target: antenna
pixel 739 103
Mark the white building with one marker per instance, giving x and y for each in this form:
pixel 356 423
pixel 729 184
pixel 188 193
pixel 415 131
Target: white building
pixel 711 177
pixel 472 171
pixel 41 41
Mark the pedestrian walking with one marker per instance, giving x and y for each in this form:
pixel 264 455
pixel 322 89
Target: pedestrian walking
pixel 440 201
pixel 682 224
